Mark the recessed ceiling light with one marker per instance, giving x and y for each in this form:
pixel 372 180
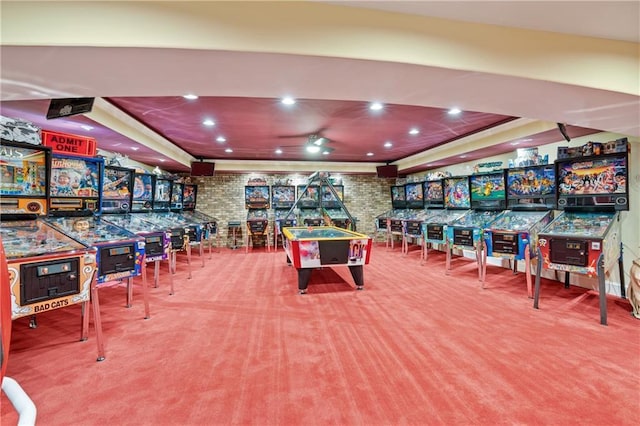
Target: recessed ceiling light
pixel 313 149
pixel 515 143
pixel 278 151
pixel 414 131
pixel 464 156
pixel 86 127
pixel 527 140
pixel 388 144
pixel 190 96
pixel 369 154
pixel 455 111
pixel 135 148
pixel 221 139
pixel 162 160
pixel 209 122
pixel 287 100
pixel 228 150
pixel 326 152
pixel 375 106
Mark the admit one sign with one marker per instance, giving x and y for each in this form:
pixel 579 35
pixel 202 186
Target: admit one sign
pixel 63 143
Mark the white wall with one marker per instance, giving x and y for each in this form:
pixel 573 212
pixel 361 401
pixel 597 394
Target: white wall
pixel 630 219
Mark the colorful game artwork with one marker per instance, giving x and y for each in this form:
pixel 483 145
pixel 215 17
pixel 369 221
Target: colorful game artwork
pixel 116 184
pixel 433 191
pixel 456 193
pixel 488 187
pixel 256 196
pixel 74 177
pixel 143 187
pixel 163 191
pixel 414 195
pixel 593 177
pixel 22 172
pixel 531 182
pixel 283 196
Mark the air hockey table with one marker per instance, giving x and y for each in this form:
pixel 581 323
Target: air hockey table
pixel 313 247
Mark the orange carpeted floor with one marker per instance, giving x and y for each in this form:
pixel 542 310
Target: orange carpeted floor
pixel 236 345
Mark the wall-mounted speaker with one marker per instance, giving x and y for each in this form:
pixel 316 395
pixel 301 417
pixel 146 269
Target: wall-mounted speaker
pixel 388 171
pixel 59 108
pixel 202 168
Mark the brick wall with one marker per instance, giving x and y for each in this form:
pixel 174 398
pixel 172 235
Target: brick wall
pixel 222 196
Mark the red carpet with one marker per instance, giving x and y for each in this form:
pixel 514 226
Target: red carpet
pixel 236 345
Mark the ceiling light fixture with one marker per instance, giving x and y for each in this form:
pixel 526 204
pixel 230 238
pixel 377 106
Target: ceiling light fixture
pixel 414 131
pixel 313 149
pixel 287 100
pixel 375 106
pixel 209 122
pixel 86 127
pixel 190 96
pixel 221 139
pixel 135 148
pixel 388 144
pixel 454 111
pixel 228 150
pixel 369 154
pixel 278 151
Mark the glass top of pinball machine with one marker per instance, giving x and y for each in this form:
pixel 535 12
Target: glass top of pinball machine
pixel 134 222
pixel 583 224
pixel 518 221
pixel 90 230
pixel 28 238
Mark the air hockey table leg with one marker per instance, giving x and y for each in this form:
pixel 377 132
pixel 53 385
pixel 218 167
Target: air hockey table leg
pixel 303 279
pixel 357 272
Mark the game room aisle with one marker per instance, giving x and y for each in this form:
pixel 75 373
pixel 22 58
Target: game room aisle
pixel 237 344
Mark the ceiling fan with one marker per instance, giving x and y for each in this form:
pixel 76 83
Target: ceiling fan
pixel 315 142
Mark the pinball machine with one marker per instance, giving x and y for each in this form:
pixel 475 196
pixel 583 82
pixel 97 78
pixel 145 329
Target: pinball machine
pixel 47 269
pixel 308 202
pixel 456 203
pixel 257 200
pixel 433 196
pixel 158 216
pixel 283 198
pixel 585 238
pixel 77 213
pixel 128 212
pixel 332 207
pixel 488 196
pixel 397 214
pixel 416 213
pixel 208 222
pixel 530 203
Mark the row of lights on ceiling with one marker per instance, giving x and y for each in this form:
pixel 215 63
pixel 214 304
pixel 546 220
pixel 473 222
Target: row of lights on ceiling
pixel 315 148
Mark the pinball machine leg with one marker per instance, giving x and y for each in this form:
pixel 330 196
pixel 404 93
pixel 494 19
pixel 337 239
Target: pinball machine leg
pixel 201 251
pixel 527 267
pixel 188 248
pixel 602 290
pixel 97 319
pixel 484 263
pixel 448 260
pixel 567 280
pixel 536 295
pixel 33 321
pixel 129 292
pixel 480 262
pixel 84 327
pixel 156 274
pixel 621 271
pixel 170 279
pixel 145 291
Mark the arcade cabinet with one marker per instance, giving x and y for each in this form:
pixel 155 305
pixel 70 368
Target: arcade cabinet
pixel 47 269
pixel 488 202
pixel 586 237
pixel 283 197
pixel 412 222
pixel 76 212
pixel 257 200
pixel 514 235
pixel 130 216
pixel 308 204
pixel 457 203
pixel 209 223
pixel 332 202
pixel 397 214
pixel 433 195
